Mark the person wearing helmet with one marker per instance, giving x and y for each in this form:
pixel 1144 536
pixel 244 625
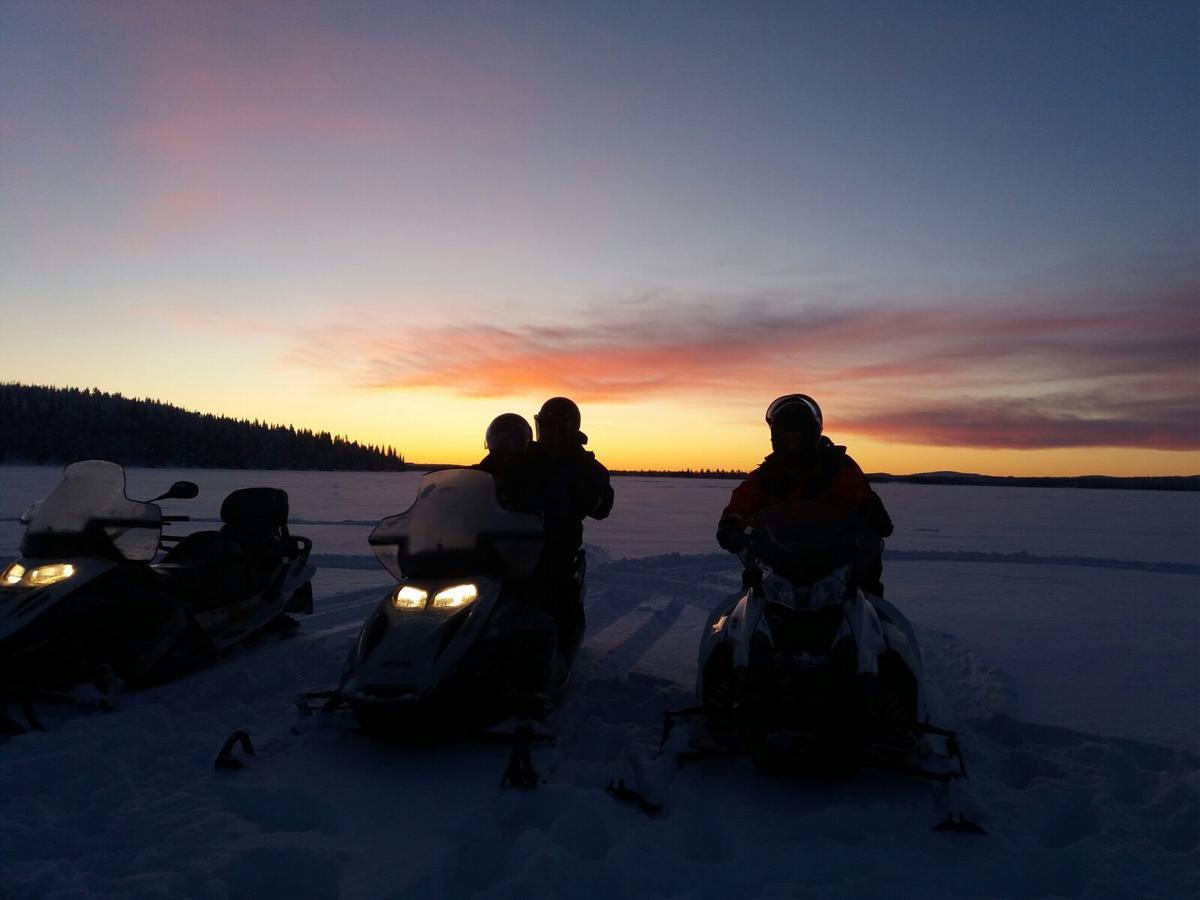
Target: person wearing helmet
pixel 510 462
pixel 574 485
pixel 805 466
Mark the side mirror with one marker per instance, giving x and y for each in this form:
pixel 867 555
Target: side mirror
pixel 180 490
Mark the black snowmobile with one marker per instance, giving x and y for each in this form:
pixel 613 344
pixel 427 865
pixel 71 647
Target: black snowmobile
pixel 469 636
pixel 805 672
pixel 87 601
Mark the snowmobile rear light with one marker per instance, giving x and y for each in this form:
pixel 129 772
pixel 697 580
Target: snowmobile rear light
pixel 455 597
pixel 51 574
pixel 409 597
pixel 12 575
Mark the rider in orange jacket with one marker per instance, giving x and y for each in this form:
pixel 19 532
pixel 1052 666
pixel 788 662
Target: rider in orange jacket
pixel 806 467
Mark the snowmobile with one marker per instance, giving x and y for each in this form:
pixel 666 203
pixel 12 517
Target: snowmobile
pixel 86 600
pixel 805 672
pixel 468 636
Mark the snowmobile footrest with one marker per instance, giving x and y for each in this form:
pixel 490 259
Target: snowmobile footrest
pixel 225 759
pixel 687 756
pixel 520 772
pixel 306 703
pixel 9 725
pixel 670 717
pixel 31 717
pixel 961 824
pixel 629 795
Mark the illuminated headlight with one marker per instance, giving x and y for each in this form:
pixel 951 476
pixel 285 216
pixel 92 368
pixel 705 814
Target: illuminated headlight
pixel 12 575
pixel 52 574
pixel 455 597
pixel 409 597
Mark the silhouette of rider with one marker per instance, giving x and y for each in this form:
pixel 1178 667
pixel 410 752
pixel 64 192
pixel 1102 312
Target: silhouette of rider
pixel 573 485
pixel 805 467
pixel 510 461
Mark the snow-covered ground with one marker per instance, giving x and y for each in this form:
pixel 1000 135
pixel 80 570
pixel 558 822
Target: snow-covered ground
pixel 1061 630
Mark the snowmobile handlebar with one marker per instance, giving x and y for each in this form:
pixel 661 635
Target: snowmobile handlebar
pixel 299 547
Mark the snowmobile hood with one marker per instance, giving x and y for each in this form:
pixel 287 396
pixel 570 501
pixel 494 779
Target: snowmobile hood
pixel 21 605
pixel 407 654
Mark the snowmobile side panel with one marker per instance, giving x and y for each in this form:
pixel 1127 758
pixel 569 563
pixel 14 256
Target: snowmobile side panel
pixel 743 622
pixel 868 632
pixel 716 633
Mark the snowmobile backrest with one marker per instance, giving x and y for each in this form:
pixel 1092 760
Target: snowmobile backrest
pixel 256 508
pixel 257 519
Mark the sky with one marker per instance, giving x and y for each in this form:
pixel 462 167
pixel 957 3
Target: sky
pixel 968 229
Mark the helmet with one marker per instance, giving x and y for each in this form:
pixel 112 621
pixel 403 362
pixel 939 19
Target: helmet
pixel 558 420
pixel 795 414
pixel 508 431
pixel 788 399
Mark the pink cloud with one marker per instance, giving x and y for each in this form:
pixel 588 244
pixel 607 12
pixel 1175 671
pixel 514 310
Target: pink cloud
pixel 994 376
pixel 1073 420
pixel 235 111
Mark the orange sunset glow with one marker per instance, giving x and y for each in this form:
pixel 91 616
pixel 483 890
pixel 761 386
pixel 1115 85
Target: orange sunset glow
pixel 394 225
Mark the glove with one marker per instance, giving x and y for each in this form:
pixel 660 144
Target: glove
pixel 731 535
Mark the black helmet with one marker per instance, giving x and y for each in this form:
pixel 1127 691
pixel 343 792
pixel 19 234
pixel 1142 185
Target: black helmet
pixel 795 414
pixel 558 422
pixel 508 431
pixel 788 399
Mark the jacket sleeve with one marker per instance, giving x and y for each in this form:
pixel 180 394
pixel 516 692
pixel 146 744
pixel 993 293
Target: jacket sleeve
pixel 852 491
pixel 747 498
pixel 602 493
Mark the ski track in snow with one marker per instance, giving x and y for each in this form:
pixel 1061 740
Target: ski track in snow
pixel 127 803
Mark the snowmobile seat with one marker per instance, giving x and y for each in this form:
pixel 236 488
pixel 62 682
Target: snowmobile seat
pixel 242 559
pixel 196 547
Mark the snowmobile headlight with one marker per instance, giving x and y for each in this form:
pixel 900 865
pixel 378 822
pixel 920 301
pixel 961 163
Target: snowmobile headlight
pixel 51 574
pixel 455 597
pixel 409 597
pixel 12 575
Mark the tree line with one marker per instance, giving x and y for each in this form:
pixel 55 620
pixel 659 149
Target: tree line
pixel 63 425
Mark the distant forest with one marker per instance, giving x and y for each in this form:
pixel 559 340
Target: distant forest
pixel 63 425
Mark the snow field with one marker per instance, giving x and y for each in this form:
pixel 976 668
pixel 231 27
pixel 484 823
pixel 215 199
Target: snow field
pixel 1074 688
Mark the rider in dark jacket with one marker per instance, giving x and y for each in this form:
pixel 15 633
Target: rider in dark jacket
pixel 511 463
pixel 572 485
pixel 806 467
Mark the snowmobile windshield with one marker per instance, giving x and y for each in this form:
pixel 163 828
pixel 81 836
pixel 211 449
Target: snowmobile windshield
pixel 804 542
pixel 88 514
pixel 827 591
pixel 456 526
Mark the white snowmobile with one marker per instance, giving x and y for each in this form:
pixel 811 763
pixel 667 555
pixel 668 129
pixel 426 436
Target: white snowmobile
pixel 468 637
pixel 804 671
pixel 86 600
